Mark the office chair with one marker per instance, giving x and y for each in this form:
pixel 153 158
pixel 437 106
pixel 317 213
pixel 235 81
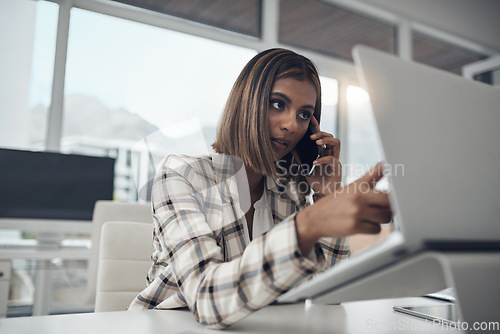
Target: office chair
pixel 104 211
pixel 124 260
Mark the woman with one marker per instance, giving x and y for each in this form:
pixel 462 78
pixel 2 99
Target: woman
pixel 234 230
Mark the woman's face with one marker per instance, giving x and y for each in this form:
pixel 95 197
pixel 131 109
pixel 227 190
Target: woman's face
pixel 291 106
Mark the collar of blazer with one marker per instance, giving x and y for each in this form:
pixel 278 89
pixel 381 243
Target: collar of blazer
pixel 230 173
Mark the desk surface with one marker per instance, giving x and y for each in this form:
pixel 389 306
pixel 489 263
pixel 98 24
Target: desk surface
pixel 24 250
pixel 32 249
pixel 65 253
pixel 374 316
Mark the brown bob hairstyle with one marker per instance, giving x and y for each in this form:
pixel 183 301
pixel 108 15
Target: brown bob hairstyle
pixel 243 130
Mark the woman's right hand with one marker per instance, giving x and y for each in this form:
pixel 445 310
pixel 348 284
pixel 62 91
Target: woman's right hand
pixel 355 208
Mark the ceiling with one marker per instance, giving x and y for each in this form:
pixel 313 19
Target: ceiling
pixel 242 16
pixel 317 25
pixel 473 20
pixel 331 30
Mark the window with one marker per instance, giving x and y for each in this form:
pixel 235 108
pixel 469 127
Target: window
pixel 139 93
pixel 364 149
pixel 42 70
pixel 329 100
pixel 27 70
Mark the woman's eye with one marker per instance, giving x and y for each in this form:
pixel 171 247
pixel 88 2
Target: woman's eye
pixel 277 105
pixel 305 115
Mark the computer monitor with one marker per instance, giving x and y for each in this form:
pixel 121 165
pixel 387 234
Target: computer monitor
pixel 55 187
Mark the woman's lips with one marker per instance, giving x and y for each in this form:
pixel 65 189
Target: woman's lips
pixel 280 143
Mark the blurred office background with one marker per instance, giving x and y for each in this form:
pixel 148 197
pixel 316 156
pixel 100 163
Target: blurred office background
pixel 136 80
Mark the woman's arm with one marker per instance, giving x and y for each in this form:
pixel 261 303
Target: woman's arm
pixel 188 216
pixel 355 208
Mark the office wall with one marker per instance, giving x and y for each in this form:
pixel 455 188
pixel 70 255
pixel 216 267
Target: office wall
pixel 17 19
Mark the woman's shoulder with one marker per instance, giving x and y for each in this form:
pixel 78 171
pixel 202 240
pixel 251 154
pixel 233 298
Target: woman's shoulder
pixel 213 161
pixel 185 159
pixel 183 163
pixel 177 169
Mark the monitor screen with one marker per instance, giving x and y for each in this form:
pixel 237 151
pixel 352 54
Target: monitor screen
pixel 43 185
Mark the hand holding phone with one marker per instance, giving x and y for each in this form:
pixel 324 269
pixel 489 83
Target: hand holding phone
pixel 308 150
pixel 328 176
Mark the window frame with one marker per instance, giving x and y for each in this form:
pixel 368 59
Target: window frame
pixel 340 70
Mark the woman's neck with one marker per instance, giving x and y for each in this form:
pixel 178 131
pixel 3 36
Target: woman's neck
pixel 255 182
pixel 256 187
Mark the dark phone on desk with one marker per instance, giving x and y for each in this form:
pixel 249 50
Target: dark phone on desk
pixel 308 150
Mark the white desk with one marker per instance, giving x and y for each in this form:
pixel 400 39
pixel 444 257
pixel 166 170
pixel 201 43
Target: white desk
pixel 41 255
pixel 354 317
pixel 65 253
pixel 42 280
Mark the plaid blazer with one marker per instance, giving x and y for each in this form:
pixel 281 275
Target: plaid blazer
pixel 201 258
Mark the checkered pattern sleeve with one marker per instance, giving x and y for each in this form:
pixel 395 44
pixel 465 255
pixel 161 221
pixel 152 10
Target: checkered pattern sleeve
pixel 188 222
pixel 333 249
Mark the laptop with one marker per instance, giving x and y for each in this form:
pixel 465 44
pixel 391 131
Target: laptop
pixel 445 131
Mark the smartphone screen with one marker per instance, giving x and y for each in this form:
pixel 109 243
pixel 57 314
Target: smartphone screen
pixel 308 150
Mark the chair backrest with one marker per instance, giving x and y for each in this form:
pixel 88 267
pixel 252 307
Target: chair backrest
pixel 105 211
pixel 124 260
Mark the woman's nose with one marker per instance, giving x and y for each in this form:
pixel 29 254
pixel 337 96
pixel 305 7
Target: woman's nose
pixel 289 122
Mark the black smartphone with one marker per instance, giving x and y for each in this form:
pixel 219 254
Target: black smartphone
pixel 308 150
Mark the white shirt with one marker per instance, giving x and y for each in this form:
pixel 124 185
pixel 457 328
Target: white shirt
pixel 262 217
pixel 263 221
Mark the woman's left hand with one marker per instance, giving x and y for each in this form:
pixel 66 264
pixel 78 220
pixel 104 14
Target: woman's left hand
pixel 327 173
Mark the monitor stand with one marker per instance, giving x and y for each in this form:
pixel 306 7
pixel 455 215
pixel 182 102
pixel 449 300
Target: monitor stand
pixel 474 275
pixel 49 238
